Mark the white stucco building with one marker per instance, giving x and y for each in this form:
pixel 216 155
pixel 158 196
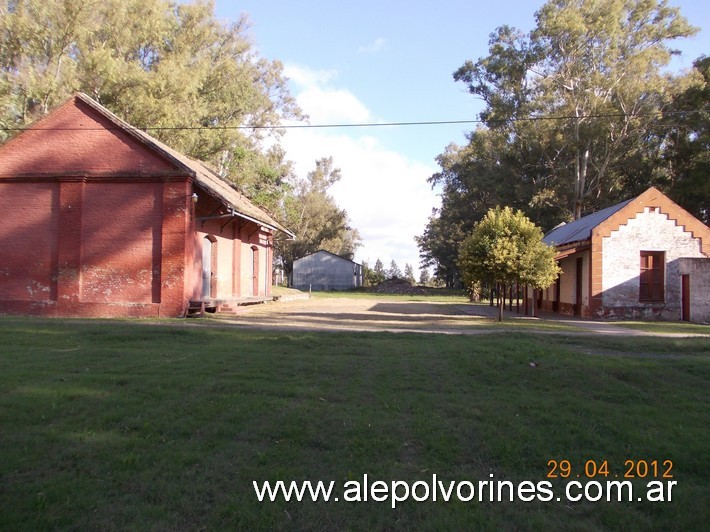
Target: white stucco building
pixel 643 258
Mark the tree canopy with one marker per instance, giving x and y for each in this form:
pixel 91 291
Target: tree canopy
pixel 580 113
pixel 316 219
pixel 506 248
pixel 167 67
pixel 171 68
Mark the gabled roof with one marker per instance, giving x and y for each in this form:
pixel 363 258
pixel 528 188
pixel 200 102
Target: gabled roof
pixel 205 178
pixel 581 230
pixel 329 253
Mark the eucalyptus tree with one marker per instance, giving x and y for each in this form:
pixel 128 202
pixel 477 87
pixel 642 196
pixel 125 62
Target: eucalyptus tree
pixel 315 218
pixel 685 134
pixel 586 82
pixel 170 68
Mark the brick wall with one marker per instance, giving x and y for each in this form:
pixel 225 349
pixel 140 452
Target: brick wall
pixel 95 223
pixel 121 254
pixel 74 141
pixel 27 240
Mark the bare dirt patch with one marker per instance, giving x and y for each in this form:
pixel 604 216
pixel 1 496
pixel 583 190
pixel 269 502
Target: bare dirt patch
pixel 358 314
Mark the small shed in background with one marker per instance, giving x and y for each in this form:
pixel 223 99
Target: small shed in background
pixel 323 270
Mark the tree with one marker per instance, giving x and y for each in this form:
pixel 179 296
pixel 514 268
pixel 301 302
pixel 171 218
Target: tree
pixel 316 219
pixel 409 273
pixel 686 138
pixel 507 248
pixel 378 272
pixel 489 171
pixel 394 272
pixel 167 67
pixel 599 67
pixel 580 114
pixel 424 277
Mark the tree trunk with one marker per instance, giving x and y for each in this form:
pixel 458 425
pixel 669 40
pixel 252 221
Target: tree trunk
pixel 510 298
pixel 501 302
pixel 517 297
pixel 581 165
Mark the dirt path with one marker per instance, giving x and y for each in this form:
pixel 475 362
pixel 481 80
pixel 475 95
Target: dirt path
pixel 357 315
pixel 387 315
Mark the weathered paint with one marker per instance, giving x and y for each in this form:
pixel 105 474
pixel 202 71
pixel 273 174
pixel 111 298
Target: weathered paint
pixel 621 251
pixel 611 261
pixel 97 223
pixel 698 272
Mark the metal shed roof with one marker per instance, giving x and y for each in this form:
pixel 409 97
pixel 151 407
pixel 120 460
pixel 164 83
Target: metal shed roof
pixel 581 229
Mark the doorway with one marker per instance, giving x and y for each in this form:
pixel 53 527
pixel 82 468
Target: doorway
pixel 206 268
pixel 209 267
pixel 254 271
pixel 578 288
pixel 685 297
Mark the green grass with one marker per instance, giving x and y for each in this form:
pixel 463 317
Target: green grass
pixel 672 327
pixel 141 425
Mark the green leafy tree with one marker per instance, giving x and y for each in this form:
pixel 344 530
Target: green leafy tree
pixel 366 273
pixel 424 277
pixel 598 64
pixel 685 135
pixel 378 273
pixel 170 68
pixel 315 218
pixel 409 273
pixel 473 179
pixel 507 248
pixel 580 113
pixel 394 272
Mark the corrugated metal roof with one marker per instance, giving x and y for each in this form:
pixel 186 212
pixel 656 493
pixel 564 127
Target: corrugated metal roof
pixel 581 229
pixel 205 177
pixel 329 253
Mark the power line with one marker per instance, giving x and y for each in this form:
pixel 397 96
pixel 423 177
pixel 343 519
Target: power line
pixel 369 124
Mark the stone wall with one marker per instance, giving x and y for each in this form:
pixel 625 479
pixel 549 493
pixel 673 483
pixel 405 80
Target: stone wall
pixel 647 231
pixel 698 270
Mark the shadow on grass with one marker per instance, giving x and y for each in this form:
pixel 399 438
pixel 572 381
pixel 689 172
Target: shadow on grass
pixel 127 425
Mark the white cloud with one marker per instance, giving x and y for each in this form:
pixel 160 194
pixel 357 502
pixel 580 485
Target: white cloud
pixel 374 47
pixel 322 103
pixel 306 77
pixel 385 193
pixel 327 106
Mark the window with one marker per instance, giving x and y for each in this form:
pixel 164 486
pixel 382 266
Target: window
pixel 651 278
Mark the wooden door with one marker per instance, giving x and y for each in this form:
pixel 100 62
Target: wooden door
pixel 685 297
pixel 578 288
pixel 206 268
pixel 255 271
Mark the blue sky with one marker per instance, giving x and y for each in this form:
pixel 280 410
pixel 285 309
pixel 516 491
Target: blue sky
pixel 390 61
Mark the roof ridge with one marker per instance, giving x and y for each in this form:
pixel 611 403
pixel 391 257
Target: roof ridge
pixel 581 229
pixel 204 175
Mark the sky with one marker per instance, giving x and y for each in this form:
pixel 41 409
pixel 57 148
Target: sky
pixel 384 61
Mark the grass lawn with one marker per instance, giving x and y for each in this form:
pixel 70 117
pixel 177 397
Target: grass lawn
pixel 140 425
pixel 673 327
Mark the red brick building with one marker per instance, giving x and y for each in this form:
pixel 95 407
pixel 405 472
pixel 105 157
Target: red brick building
pixel 101 219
